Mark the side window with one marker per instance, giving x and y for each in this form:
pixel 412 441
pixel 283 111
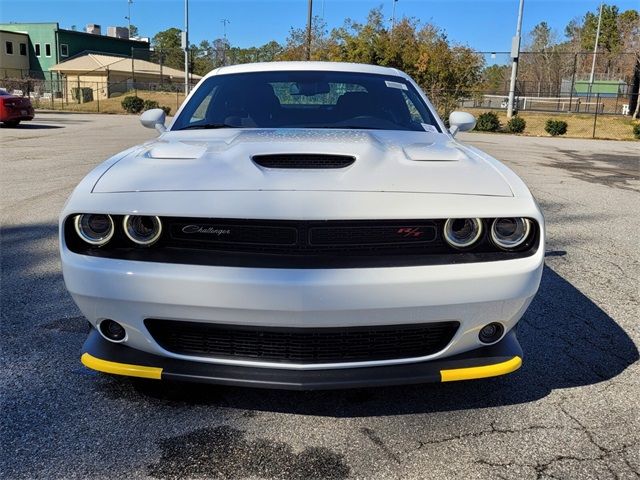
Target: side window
pixel 64 50
pixel 47 49
pixel 23 49
pixel 8 47
pixel 201 112
pixel 37 49
pixel 413 111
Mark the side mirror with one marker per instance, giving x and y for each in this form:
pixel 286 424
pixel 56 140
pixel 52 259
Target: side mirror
pixel 461 122
pixel 154 118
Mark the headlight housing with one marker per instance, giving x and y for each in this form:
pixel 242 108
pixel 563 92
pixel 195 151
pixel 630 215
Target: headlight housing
pixel 94 228
pixel 142 229
pixel 462 232
pixel 509 233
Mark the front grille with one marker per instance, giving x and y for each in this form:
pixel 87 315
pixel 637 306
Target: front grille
pixel 264 243
pixel 303 160
pixel 301 345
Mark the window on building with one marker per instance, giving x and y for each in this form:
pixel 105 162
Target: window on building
pixel 47 49
pixel 8 47
pixel 37 49
pixel 64 50
pixel 23 49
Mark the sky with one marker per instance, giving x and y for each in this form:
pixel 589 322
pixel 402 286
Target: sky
pixel 485 25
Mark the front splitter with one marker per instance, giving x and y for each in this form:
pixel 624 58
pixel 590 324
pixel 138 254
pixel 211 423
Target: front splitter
pixel 498 359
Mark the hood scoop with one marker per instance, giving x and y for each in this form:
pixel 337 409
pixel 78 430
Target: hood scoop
pixel 303 160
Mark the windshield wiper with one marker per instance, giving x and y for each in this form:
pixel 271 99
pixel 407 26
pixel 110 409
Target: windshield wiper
pixel 208 126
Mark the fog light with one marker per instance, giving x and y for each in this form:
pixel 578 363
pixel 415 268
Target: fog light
pixel 112 330
pixel 491 333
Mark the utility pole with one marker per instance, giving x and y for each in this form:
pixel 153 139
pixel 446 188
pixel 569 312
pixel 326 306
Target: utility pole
pixel 515 53
pixel 309 18
pixel 595 51
pixel 185 45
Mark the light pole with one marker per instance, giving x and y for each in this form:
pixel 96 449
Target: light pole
pixel 595 51
pixel 393 15
pixel 185 45
pixel 515 53
pixel 224 35
pixel 129 2
pixel 309 17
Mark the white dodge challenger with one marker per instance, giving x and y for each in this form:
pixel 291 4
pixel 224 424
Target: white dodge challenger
pixel 303 225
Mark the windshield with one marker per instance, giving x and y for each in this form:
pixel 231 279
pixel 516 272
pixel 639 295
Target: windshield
pixel 306 99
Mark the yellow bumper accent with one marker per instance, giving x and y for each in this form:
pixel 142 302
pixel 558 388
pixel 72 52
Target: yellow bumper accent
pixel 485 371
pixel 120 368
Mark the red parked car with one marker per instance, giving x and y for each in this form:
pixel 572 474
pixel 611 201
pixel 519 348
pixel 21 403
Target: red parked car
pixel 14 109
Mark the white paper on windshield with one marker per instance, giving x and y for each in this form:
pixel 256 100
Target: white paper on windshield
pixel 429 128
pixel 399 85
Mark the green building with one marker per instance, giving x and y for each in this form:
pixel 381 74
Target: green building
pixel 49 45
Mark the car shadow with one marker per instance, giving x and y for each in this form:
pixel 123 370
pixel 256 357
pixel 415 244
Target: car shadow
pixel 568 342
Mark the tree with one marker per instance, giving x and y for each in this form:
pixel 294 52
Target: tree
pixel 167 45
pixel 133 31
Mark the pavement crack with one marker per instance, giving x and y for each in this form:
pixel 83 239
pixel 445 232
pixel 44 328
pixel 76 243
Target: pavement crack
pixel 376 440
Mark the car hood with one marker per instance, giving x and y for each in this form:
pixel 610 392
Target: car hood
pixel 386 161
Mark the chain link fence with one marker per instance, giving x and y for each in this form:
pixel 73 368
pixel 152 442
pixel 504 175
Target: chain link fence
pixel 588 114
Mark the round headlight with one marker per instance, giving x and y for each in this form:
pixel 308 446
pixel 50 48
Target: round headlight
pixel 142 229
pixel 510 233
pixel 94 228
pixel 462 232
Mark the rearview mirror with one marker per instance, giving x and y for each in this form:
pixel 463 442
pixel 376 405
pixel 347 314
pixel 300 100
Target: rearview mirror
pixel 154 118
pixel 461 122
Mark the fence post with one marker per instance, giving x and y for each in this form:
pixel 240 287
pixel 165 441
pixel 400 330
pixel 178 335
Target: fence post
pixel 98 95
pixel 595 116
pixel 177 101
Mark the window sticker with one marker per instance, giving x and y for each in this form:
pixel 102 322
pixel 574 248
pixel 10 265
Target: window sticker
pixel 398 85
pixel 429 128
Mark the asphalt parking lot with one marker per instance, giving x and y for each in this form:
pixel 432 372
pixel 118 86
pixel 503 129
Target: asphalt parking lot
pixel 571 411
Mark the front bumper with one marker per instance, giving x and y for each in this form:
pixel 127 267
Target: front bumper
pixel 471 294
pixel 498 359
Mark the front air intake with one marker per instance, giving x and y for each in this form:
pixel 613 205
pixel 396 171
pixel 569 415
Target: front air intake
pixel 303 160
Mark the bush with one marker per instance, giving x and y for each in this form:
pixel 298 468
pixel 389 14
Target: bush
pixel 516 125
pixel 167 110
pixel 636 131
pixel 555 127
pixel 488 122
pixel 150 105
pixel 132 104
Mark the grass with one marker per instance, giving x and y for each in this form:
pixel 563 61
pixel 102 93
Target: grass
pixel 611 127
pixel 112 105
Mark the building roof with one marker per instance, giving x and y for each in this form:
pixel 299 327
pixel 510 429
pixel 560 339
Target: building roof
pixel 14 33
pixel 96 63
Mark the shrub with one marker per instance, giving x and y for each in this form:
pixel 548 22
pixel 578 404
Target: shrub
pixel 132 104
pixel 516 125
pixel 555 127
pixel 167 110
pixel 488 122
pixel 150 105
pixel 636 131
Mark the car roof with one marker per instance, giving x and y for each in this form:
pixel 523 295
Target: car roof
pixel 307 66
